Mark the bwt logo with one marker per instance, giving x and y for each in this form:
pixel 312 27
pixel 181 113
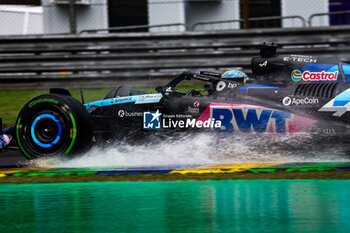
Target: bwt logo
pixel 251 119
pixel 151 120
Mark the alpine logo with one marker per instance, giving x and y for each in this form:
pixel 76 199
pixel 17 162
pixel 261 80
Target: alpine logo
pixel 263 64
pixel 297 76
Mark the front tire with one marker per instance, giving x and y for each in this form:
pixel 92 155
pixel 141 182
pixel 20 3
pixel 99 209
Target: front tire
pixel 53 124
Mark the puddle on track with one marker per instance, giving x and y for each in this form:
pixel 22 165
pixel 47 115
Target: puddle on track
pixel 201 149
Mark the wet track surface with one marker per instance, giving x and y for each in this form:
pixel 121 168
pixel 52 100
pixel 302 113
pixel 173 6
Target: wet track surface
pixel 232 186
pixel 248 171
pixel 12 159
pixel 196 156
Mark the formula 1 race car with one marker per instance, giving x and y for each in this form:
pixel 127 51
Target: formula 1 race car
pixel 289 94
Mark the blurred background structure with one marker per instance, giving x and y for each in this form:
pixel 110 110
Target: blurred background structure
pixel 98 43
pixel 73 16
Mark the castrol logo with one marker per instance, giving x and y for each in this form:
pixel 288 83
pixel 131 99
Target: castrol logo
pixel 297 76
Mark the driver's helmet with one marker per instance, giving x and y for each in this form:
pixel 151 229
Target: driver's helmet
pixel 235 74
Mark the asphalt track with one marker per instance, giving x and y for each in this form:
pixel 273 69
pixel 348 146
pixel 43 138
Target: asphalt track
pixel 12 159
pixel 247 171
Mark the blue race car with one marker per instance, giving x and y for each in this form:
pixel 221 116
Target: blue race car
pixel 288 94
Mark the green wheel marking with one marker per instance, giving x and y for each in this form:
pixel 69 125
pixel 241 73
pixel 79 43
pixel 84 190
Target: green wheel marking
pixel 19 141
pixel 31 104
pixel 74 132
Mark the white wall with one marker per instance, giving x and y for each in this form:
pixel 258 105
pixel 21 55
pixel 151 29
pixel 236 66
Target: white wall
pixel 213 11
pixel 16 20
pixel 56 16
pixel 189 13
pixel 166 12
pixel 304 8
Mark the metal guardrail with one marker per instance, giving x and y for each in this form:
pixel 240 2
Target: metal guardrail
pixel 326 14
pixel 303 21
pixel 125 28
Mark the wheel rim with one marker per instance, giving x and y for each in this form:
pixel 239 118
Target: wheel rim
pixel 46 130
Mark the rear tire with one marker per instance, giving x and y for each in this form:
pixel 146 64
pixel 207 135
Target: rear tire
pixel 53 124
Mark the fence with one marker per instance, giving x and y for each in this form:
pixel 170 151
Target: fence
pixel 337 20
pixel 105 60
pixel 137 28
pixel 15 21
pixel 62 16
pixel 262 20
pixel 20 20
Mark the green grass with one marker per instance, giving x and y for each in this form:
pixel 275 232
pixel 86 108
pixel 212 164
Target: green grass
pixel 11 102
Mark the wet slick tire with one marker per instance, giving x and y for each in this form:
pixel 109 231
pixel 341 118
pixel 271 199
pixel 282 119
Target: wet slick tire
pixel 51 125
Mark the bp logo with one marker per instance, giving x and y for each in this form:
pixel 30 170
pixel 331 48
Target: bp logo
pixel 296 75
